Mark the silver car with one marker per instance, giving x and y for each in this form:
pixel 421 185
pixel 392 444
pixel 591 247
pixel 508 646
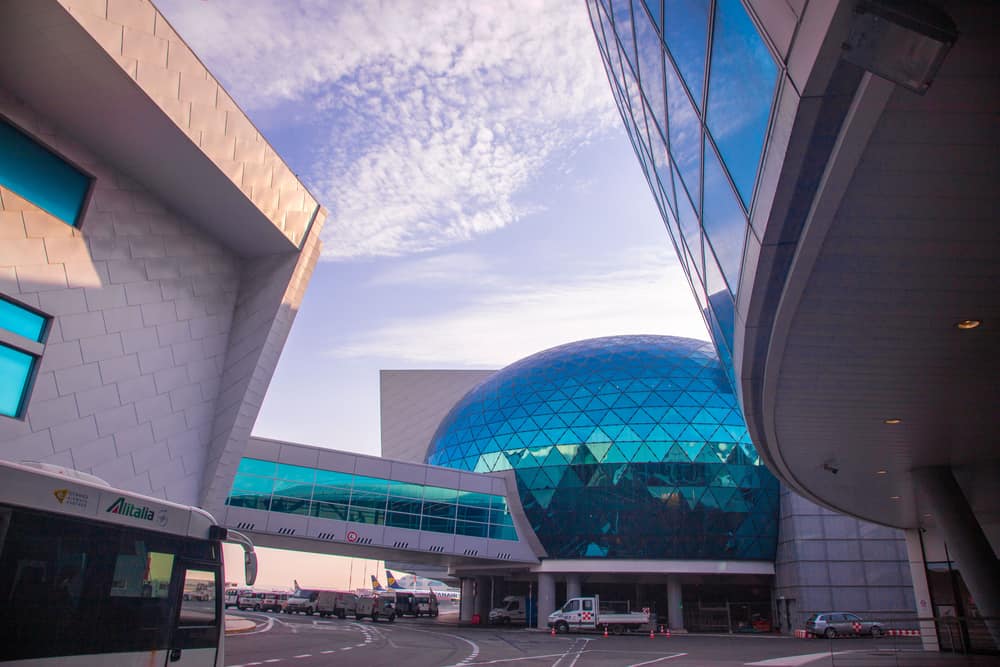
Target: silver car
pixel 841 624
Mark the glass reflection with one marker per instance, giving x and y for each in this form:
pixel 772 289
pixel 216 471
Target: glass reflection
pixel 621 13
pixel 740 92
pixel 685 31
pixel 650 68
pixel 685 135
pixel 725 223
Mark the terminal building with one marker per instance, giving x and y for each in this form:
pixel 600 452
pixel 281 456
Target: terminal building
pixel 638 481
pixel 826 172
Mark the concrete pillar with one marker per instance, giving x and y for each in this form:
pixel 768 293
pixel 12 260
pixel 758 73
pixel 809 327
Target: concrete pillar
pixel 546 598
pixel 921 591
pixel 966 541
pixel 465 610
pixel 483 589
pixel 675 610
pixel 572 586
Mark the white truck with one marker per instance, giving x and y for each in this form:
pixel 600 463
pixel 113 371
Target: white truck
pixel 591 613
pixel 511 610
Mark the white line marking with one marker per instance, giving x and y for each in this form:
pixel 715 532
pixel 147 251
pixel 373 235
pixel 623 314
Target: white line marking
pixel 304 655
pixel 500 660
pixel 273 660
pixel 327 652
pixel 666 657
pixel 793 660
pixel 468 659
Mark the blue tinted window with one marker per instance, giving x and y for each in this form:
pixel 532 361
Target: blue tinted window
pixel 741 88
pixel 622 16
pixel 21 321
pixel 472 529
pixel 650 69
pixel 296 473
pixel 438 524
pixel 724 311
pixel 685 30
pixel 503 533
pixel 690 229
pixel 330 478
pixel 15 373
pixel 258 467
pixel 370 484
pixel 685 135
pixel 252 484
pixel 397 520
pixel 41 176
pixel 332 494
pixel 725 223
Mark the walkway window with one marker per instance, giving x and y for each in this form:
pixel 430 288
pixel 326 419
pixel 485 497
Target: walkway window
pixel 22 338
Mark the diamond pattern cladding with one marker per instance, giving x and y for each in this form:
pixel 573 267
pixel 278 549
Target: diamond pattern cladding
pixel 623 447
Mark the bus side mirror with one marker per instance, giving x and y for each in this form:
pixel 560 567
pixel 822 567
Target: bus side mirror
pixel 250 567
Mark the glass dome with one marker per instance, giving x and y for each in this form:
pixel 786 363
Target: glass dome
pixel 623 447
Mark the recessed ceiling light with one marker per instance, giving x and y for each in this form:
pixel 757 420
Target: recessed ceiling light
pixel 893 421
pixel 927 516
pixel 968 324
pixel 893 497
pixel 881 472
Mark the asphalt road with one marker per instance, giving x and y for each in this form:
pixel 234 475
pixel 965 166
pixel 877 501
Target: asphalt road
pixel 304 641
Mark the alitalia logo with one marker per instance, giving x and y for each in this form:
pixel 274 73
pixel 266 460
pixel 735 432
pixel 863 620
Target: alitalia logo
pixel 120 506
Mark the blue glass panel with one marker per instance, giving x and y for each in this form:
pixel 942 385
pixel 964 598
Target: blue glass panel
pixel 440 494
pixel 296 473
pixel 438 524
pixel 370 484
pixel 474 499
pixel 249 500
pixel 650 68
pixel 503 532
pixel 621 13
pixel 439 509
pixel 690 230
pixel 40 176
pixel 15 372
pixel 472 529
pixel 685 31
pixel 243 483
pixel 330 511
pixel 685 135
pixel 724 310
pixel 405 489
pixel 655 8
pixel 361 515
pixel 332 494
pixel 21 321
pixel 293 489
pixel 331 478
pixel 407 505
pixel 740 92
pixel 397 520
pixel 473 514
pixel 289 505
pixel 370 500
pixel 258 467
pixel 725 223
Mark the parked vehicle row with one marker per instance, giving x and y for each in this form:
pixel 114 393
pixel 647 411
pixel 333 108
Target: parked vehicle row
pixel 385 605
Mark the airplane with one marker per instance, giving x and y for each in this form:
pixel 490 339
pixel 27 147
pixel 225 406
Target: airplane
pixel 444 593
pixel 376 586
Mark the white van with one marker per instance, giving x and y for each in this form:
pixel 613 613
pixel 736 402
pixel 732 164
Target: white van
pixel 302 601
pixel 336 603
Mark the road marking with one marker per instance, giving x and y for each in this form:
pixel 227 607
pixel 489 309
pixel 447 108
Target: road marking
pixel 304 655
pixel 273 660
pixel 327 652
pixel 500 660
pixel 793 660
pixel 462 663
pixel 666 657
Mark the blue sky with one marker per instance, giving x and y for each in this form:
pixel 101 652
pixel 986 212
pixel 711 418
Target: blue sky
pixel 484 200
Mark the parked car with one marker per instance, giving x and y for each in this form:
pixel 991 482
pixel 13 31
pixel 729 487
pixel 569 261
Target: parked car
pixel 842 624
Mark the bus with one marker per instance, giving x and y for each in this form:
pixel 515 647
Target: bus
pixel 92 575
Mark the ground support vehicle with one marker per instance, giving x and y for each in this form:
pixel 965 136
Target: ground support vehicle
pixel 233 594
pixel 376 607
pixel 302 601
pixel 425 605
pixel 842 624
pixel 591 613
pixel 93 575
pixel 336 603
pixel 512 609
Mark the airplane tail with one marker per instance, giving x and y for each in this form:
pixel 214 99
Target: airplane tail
pixel 391 580
pixel 376 586
pixel 296 582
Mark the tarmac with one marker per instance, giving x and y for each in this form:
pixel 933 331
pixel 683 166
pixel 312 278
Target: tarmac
pixel 237 624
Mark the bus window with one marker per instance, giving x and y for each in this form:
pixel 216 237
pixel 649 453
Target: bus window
pixel 198 622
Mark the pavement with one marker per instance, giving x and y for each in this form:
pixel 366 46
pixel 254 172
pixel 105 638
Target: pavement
pixel 237 624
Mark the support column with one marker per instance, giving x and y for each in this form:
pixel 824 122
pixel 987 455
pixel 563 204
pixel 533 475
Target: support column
pixel 675 610
pixel 966 541
pixel 921 591
pixel 465 610
pixel 546 598
pixel 572 586
pixel 483 585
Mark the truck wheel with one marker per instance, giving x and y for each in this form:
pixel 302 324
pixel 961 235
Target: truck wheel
pixel 391 618
pixel 617 629
pixel 562 628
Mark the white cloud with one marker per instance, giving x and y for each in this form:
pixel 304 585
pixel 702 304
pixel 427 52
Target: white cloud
pixel 515 320
pixel 429 118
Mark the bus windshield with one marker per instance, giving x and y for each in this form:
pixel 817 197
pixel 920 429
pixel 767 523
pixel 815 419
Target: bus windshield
pixel 72 586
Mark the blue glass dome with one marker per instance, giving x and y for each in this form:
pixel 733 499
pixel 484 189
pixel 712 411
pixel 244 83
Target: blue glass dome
pixel 623 447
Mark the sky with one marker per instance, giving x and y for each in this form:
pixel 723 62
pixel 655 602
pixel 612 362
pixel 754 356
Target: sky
pixel 484 200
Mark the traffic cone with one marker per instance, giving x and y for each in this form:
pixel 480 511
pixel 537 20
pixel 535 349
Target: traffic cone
pixel 652 635
pixel 668 633
pixel 553 633
pixel 605 630
pixel 661 630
